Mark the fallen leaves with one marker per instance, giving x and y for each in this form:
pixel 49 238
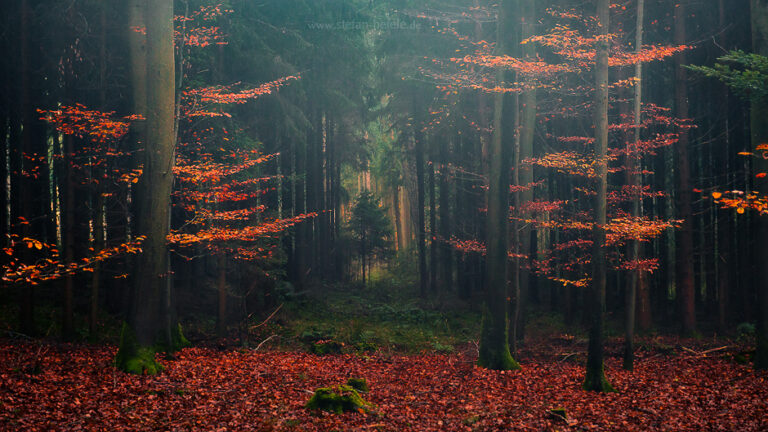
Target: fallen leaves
pixel 77 387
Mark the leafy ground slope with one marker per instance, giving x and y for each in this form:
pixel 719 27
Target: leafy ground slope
pixel 69 387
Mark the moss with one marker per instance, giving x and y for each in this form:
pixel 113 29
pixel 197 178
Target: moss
pixel 359 384
pixel 559 412
pixel 499 359
pixel 597 382
pixel 178 340
pixel 366 347
pixel 339 400
pixel 326 347
pixel 134 358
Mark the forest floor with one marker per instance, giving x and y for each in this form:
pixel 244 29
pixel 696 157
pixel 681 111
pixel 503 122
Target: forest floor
pixel 677 385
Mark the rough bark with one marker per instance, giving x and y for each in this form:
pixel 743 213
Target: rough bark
pixel 149 323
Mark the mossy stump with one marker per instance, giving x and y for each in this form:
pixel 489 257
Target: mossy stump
pixel 339 400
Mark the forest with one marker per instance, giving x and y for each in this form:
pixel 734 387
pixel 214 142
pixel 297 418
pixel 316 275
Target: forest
pixel 387 215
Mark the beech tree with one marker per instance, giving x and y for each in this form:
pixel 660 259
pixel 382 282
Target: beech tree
pixel 595 376
pixel 151 319
pixel 494 341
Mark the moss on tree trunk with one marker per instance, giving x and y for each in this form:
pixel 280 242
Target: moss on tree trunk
pixel 134 358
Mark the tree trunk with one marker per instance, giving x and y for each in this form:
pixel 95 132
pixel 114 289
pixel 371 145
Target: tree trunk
pixel 149 323
pixel 527 131
pixel 25 191
pixel 635 183
pixel 420 229
pixel 433 243
pixel 685 276
pixel 221 286
pixel 494 344
pixel 595 377
pixel 99 213
pixel 446 251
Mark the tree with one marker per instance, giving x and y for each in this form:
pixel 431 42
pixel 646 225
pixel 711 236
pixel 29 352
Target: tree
pixel 686 289
pixel 150 320
pixel 370 229
pixel 634 180
pixel 595 376
pixel 494 342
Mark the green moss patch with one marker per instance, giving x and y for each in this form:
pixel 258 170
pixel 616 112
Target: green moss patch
pixel 338 400
pixel 133 358
pixel 326 347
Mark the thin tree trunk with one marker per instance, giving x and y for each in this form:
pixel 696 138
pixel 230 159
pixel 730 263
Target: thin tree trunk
pixel 99 214
pixel 420 229
pixel 527 133
pixel 685 285
pixel 433 243
pixel 399 243
pixel 446 252
pixel 25 192
pixel 221 285
pixel 635 183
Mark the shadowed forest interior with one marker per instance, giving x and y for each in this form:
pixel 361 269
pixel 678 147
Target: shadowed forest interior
pixel 392 214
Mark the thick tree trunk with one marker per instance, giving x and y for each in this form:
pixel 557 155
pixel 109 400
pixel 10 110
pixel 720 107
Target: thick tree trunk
pixel 685 276
pixel 494 344
pixel 149 323
pixel 595 377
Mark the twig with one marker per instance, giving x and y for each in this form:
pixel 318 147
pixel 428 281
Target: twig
pixel 707 351
pixel 268 318
pixel 567 356
pixel 715 349
pixel 263 342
